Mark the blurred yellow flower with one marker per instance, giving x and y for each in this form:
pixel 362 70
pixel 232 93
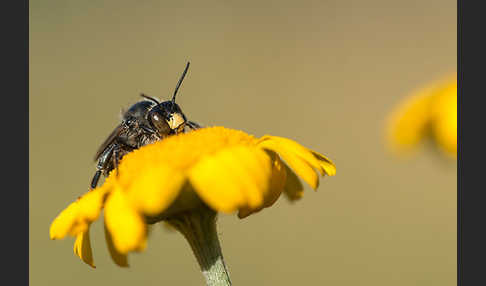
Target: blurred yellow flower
pixel 429 113
pixel 224 169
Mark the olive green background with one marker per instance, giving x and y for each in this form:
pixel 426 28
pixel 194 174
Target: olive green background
pixel 324 73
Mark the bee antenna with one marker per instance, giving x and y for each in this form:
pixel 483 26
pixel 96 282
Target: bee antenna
pixel 149 98
pixel 180 82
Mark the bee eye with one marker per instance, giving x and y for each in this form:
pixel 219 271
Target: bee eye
pixel 159 123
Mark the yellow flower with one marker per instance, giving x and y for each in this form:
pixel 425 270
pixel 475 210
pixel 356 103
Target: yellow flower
pixel 224 169
pixel 428 113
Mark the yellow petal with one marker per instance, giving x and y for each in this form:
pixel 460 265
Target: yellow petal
pixel 126 225
pixel 232 178
pixel 254 164
pixel 293 187
pixel 120 259
pixel 408 123
pixel 79 226
pixel 277 183
pixel 285 145
pixel 325 163
pixel 299 165
pixel 63 223
pixel 90 205
pixel 445 118
pixel 78 215
pixel 82 248
pixel 156 189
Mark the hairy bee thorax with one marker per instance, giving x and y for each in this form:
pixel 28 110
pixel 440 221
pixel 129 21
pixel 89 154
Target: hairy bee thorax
pixel 145 139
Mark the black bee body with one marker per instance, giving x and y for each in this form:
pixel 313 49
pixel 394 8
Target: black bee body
pixel 145 122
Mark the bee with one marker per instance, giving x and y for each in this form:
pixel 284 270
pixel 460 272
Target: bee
pixel 145 122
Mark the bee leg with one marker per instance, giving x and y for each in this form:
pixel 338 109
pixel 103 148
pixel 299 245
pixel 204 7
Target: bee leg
pixel 96 177
pixel 115 160
pixel 102 165
pixel 193 125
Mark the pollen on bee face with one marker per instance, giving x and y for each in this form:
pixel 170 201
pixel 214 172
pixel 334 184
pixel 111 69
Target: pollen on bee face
pixel 175 121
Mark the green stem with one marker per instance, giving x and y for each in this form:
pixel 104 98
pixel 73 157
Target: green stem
pixel 199 229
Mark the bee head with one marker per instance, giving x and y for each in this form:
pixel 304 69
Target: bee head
pixel 167 117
